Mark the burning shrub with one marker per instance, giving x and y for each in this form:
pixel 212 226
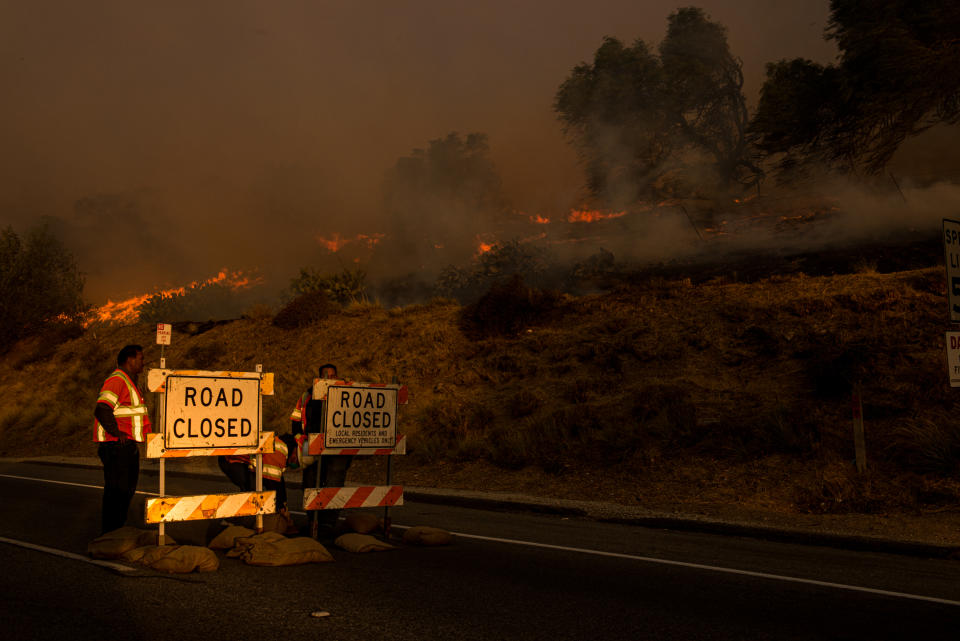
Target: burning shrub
pixel 507 308
pixel 304 310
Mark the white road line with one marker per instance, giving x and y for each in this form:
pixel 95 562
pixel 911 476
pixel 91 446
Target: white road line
pixel 67 555
pixel 711 568
pixel 617 555
pixel 93 487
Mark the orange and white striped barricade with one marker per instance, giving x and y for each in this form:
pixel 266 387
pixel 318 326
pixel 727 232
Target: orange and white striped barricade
pixel 209 413
pixel 358 419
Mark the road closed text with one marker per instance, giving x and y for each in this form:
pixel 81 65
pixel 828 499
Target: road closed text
pixel 361 417
pixel 219 427
pixel 212 412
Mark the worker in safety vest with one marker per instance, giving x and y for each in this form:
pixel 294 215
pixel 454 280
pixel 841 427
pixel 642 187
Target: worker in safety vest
pixel 242 470
pixel 308 418
pixel 120 423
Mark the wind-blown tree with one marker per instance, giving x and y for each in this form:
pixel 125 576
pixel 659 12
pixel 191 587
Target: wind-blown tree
pixel 898 75
pixel 633 114
pixel 40 284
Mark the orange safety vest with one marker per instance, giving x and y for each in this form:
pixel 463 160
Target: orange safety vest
pixel 299 412
pixel 125 399
pixel 274 463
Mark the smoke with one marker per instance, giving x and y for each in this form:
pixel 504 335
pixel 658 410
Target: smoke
pixel 171 141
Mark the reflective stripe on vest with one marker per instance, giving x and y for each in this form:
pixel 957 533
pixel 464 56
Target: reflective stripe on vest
pixel 274 462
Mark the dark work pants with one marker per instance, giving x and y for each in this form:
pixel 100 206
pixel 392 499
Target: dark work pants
pixel 121 471
pixel 333 473
pixel 243 477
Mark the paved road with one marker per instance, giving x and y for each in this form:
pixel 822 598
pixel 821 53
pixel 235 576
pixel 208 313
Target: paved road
pixel 508 576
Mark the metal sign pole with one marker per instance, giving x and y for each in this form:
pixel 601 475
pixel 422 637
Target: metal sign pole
pixel 164 332
pixel 161 411
pixel 386 510
pixel 259 454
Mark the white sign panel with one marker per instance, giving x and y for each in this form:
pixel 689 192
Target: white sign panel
pixel 953 358
pixel 211 412
pixel 951 245
pixel 164 332
pixel 361 416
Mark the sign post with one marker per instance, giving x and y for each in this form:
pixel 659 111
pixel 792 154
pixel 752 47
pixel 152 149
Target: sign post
pixel 164 334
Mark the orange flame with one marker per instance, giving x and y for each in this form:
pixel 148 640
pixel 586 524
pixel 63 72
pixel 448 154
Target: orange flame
pixel 127 311
pixel 584 216
pixel 371 240
pixel 484 247
pixel 539 220
pixel 337 242
pixel 334 244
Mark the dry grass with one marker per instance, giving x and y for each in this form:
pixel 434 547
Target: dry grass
pixel 664 391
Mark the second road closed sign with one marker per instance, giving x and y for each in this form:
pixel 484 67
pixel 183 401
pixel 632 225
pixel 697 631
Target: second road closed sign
pixel 361 416
pixel 212 412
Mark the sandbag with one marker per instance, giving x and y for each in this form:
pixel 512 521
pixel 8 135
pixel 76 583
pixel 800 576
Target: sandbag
pixel 273 549
pixel 228 537
pixel 361 543
pixel 279 522
pixel 154 553
pixel 426 535
pixel 112 545
pixel 362 522
pixel 185 559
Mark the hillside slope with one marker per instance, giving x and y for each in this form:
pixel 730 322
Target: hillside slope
pixel 667 394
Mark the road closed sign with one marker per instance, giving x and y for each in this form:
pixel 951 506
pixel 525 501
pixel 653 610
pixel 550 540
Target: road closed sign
pixel 951 250
pixel 211 412
pixel 953 358
pixel 361 417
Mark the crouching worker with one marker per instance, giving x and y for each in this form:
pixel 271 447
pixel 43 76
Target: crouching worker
pixel 242 469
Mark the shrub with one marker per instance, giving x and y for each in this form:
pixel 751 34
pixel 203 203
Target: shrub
pixel 507 308
pixel 502 261
pixel 449 428
pixel 927 445
pixel 347 286
pixel 304 310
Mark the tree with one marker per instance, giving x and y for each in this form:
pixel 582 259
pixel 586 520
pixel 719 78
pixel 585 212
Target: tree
pixel 799 103
pixel 898 75
pixel 634 114
pixel 40 284
pixel 439 198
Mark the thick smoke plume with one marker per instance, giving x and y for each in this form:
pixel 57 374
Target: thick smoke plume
pixel 172 141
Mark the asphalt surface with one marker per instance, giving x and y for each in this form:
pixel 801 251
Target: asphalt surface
pixel 205 468
pixel 526 571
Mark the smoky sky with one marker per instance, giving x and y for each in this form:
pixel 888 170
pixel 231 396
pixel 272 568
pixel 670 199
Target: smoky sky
pixel 233 133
